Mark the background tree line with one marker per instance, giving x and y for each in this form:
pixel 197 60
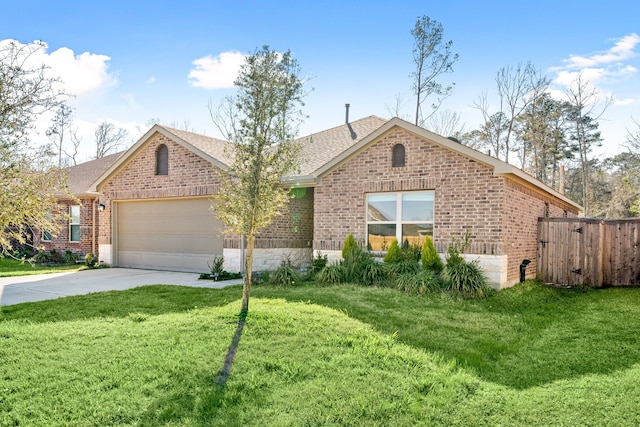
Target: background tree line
pixel 551 136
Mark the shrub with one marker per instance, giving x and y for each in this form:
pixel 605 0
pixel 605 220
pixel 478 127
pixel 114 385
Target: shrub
pixel 216 266
pixel 374 273
pixel 420 283
pixel 430 259
pixel 285 275
pixel 466 278
pixel 319 262
pixel 349 244
pixel 42 257
pixel 411 250
pixel 355 263
pixel 90 260
pixel 331 275
pixel 55 256
pixel 407 266
pixel 70 258
pixel 394 254
pixel 458 247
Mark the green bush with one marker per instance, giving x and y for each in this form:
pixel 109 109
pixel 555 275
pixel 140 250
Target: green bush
pixel 349 244
pixel 70 258
pixel 394 254
pixel 331 275
pixel 409 266
pixel 466 278
pixel 355 263
pixel 457 247
pixel 430 259
pixel 42 257
pixel 90 260
pixel 319 262
pixel 411 250
pixel 420 283
pixel 217 266
pixel 55 256
pixel 285 275
pixel 374 273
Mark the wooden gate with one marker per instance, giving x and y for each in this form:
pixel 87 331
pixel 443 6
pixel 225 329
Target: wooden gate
pixel 592 252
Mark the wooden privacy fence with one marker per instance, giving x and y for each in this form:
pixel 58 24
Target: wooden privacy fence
pixel 592 252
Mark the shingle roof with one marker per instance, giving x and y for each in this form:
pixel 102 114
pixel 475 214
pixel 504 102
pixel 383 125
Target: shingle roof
pixel 81 176
pixel 319 148
pixel 216 148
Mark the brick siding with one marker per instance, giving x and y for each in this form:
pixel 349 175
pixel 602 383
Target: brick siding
pixel 189 176
pixel 500 213
pixel 61 242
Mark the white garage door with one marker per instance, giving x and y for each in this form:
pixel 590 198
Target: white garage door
pixel 174 235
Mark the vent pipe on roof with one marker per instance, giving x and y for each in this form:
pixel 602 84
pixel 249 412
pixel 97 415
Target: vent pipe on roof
pixel 346 116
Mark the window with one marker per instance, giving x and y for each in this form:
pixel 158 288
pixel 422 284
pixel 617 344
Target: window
pixel 402 216
pixel 397 156
pixel 74 223
pixel 46 235
pixel 162 160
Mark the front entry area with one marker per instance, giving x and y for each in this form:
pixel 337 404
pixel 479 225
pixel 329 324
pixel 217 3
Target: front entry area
pixel 166 234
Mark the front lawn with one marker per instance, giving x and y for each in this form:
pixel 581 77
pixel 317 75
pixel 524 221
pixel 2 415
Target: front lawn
pixel 340 355
pixel 10 267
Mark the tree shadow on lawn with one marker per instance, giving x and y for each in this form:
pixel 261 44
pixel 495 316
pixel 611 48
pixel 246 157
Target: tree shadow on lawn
pixel 201 402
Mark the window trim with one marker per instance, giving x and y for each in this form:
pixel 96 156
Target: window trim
pixel 398 222
pixel 44 233
pixel 74 224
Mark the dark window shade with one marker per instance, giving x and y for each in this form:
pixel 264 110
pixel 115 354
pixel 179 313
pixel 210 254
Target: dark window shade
pixel 162 160
pixel 397 156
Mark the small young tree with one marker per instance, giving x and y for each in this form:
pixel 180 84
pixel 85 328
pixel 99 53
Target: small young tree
pixel 430 258
pixel 349 244
pixel 394 254
pixel 260 121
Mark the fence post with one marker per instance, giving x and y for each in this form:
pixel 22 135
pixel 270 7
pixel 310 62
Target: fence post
pixel 601 229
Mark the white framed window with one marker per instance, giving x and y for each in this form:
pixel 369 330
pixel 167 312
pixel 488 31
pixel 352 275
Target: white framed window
pixel 74 223
pixel 405 216
pixel 45 236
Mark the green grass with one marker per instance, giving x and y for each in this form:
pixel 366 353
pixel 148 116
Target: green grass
pixel 10 268
pixel 340 355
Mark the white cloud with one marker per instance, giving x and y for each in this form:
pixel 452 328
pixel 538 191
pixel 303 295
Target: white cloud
pixel 625 101
pixel 216 72
pixel 78 74
pixel 601 69
pixel 152 80
pixel 623 49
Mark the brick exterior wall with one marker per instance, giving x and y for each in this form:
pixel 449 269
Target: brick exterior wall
pixel 291 229
pixel 522 209
pixel 467 195
pixel 189 176
pixel 500 213
pixel 61 242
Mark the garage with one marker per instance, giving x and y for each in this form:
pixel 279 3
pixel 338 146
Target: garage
pixel 167 234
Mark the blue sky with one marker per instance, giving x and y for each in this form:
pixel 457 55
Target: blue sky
pixel 129 62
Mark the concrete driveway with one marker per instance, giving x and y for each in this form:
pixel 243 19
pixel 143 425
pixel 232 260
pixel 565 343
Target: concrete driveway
pixel 15 290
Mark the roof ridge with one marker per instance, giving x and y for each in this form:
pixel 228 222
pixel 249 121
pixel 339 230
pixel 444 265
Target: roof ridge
pixel 373 116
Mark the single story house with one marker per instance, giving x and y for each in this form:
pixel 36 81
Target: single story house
pixel 378 179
